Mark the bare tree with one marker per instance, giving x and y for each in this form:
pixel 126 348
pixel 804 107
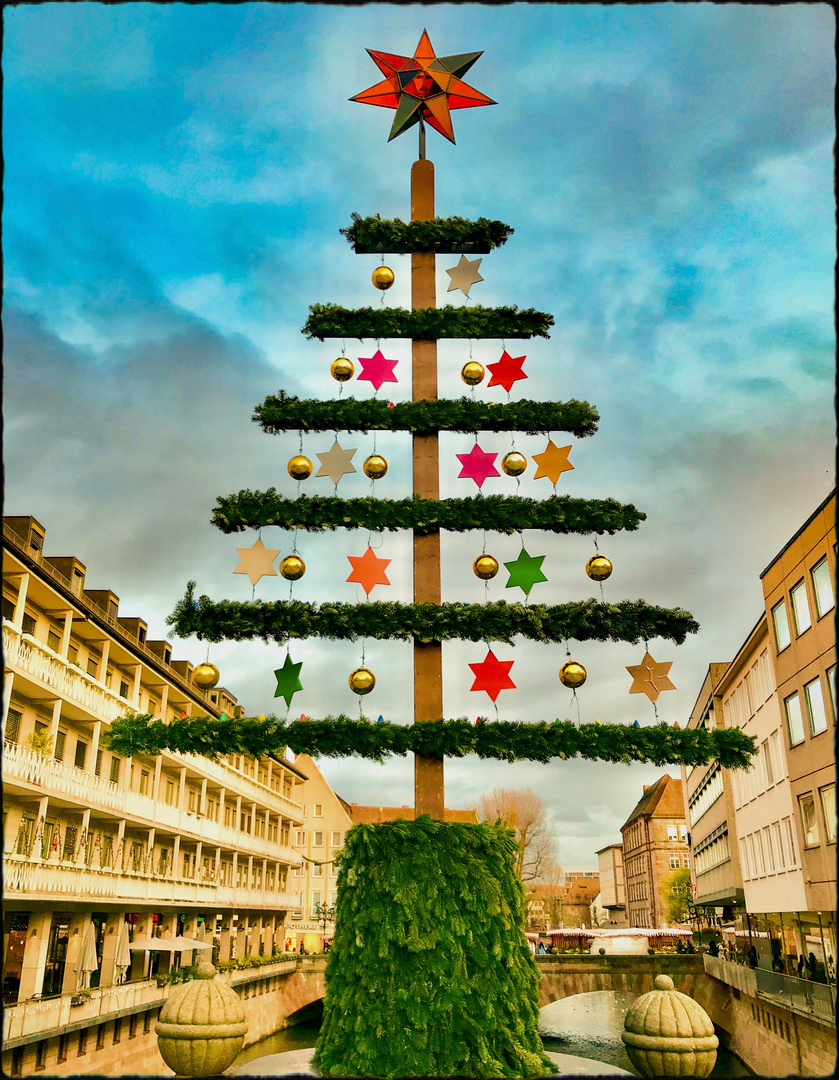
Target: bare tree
pixel 524 812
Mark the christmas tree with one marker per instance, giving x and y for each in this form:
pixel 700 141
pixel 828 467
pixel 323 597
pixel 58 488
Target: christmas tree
pixel 429 973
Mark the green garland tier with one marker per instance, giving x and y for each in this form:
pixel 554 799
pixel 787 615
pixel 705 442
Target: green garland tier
pixel 494 513
pixel 281 413
pixel 425 324
pixel 281 620
pixel 374 236
pixel 343 736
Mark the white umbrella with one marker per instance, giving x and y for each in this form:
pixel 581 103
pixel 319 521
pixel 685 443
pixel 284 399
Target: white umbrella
pixel 122 960
pixel 87 961
pixel 178 944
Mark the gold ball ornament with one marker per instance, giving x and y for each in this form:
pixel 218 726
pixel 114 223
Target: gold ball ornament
pixel 598 568
pixel 375 467
pixel 472 373
pixel 206 676
pixel 342 369
pixel 300 468
pixel 292 567
pixel 383 277
pixel 362 681
pixel 485 567
pixel 572 674
pixel 514 463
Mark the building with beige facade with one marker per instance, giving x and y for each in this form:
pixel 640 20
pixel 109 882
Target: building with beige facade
pixel 654 844
pixel 612 885
pixel 101 852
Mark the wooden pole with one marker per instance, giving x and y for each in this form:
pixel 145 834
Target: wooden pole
pixel 428 657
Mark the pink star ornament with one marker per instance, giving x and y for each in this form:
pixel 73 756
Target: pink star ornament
pixel 477 465
pixel 377 370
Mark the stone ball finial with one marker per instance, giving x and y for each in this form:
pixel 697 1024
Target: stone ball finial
pixel 202 1026
pixel 206 970
pixel 667 1033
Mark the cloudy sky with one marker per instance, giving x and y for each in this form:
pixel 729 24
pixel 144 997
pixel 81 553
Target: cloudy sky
pixel 176 176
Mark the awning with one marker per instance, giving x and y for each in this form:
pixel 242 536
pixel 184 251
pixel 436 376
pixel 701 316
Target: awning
pixel 178 944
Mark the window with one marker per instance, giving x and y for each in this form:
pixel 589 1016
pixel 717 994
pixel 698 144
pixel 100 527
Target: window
pixel 92 665
pixel 335 839
pixel 828 795
pixel 81 754
pixel 800 607
pixel 317 871
pixel 28 624
pixel 73 653
pixel 776 754
pixel 683 833
pixel 789 839
pixel 672 832
pixel 770 854
pixel 244 822
pixel 815 707
pixel 13 726
pixel 825 600
pixel 54 642
pixel 123 688
pixel 97 768
pixel 132 1025
pixel 779 617
pixel 744 859
pixel 318 809
pixel 316 899
pixel 675 862
pixel 685 860
pixel 317 839
pixel 300 836
pixel 144 782
pixel 333 870
pixel 8 609
pixel 41 1054
pixel 809 824
pixel 767 763
pixel 117 1030
pixel 60 739
pixel 831 676
pixel 299 871
pixel 82 1042
pixel 758 850
pixel 795 725
pixel 62 1047
pixel 115 764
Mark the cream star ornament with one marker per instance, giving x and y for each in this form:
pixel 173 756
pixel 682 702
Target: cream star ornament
pixel 257 561
pixel 650 678
pixel 552 462
pixel 464 275
pixel 336 463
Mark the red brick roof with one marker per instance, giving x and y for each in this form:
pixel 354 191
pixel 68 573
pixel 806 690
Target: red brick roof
pixel 661 799
pixel 372 815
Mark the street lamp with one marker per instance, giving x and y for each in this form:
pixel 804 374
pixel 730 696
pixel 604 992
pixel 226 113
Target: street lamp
pixel 324 913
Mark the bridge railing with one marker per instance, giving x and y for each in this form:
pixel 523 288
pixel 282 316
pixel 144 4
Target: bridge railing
pixel 799 995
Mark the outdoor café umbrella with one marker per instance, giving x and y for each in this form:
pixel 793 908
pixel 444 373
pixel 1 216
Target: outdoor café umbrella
pixel 122 960
pixel 87 961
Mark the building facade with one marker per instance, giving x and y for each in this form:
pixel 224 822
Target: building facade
pixel 99 848
pixel 612 885
pixel 654 844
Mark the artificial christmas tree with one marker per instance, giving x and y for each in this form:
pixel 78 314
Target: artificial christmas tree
pixel 430 973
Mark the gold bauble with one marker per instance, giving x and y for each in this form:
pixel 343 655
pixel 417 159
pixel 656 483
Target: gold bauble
pixel 342 369
pixel 514 463
pixel 292 567
pixel 206 676
pixel 485 567
pixel 300 468
pixel 572 674
pixel 598 568
pixel 472 373
pixel 375 467
pixel 362 681
pixel 383 277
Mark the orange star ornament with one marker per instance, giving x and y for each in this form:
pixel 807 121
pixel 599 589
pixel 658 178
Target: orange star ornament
pixel 650 678
pixel 368 570
pixel 423 87
pixel 552 462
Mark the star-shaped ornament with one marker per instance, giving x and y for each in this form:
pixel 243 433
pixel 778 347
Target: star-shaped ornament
pixel 525 571
pixel 368 570
pixel 506 371
pixel 492 675
pixel 257 561
pixel 552 462
pixel 288 680
pixel 464 275
pixel 376 370
pixel 477 465
pixel 650 678
pixel 423 87
pixel 336 463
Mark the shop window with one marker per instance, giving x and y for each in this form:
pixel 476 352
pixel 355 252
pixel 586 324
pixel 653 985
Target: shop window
pixel 795 724
pixel 828 795
pixel 825 599
pixel 815 707
pixel 779 618
pixel 809 823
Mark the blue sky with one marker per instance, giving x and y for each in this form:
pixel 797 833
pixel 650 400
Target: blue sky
pixel 176 176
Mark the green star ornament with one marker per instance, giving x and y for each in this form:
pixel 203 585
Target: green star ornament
pixel 525 571
pixel 288 680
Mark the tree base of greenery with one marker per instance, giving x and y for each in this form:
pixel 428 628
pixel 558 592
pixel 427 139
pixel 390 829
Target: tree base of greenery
pixel 430 973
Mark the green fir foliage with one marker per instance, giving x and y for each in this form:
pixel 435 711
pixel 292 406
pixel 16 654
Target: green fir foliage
pixel 344 736
pixel 425 324
pixel 588 620
pixel 430 973
pixel 281 413
pixel 373 235
pixel 494 513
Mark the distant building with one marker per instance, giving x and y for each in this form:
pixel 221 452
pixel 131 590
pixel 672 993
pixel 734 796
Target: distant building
pixel 654 844
pixel 552 906
pixel 372 815
pixel 612 887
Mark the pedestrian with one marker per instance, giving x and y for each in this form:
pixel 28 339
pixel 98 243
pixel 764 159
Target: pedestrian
pixel 532 947
pixel 302 948
pixel 813 968
pixel 542 949
pixel 800 968
pixel 714 949
pixel 752 954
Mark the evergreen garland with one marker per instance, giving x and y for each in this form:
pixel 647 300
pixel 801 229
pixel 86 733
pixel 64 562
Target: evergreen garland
pixel 373 235
pixel 430 973
pixel 425 324
pixel 343 736
pixel 587 620
pixel 281 413
pixel 495 513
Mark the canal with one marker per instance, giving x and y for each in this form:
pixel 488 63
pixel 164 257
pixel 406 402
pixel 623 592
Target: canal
pixel 586 1025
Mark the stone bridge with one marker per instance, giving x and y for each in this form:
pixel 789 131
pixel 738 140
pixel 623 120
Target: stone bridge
pixel 578 973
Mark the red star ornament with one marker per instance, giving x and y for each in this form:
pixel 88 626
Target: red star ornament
pixel 376 370
pixel 650 678
pixel 477 465
pixel 492 675
pixel 368 570
pixel 506 371
pixel 423 87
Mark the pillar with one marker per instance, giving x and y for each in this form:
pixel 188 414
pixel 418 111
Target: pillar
pixel 140 958
pixel 225 936
pixel 79 922
pixel 20 603
pixel 102 670
pixel 35 955
pixel 109 948
pixel 8 684
pixel 241 938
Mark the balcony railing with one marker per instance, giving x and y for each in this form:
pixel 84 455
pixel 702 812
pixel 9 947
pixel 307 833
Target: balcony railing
pixel 800 995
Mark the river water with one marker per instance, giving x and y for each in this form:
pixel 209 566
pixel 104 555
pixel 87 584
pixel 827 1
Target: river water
pixel 586 1025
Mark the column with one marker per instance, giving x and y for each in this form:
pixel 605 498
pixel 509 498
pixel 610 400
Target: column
pixel 79 923
pixel 109 948
pixel 134 692
pixel 95 735
pixel 139 957
pixel 20 603
pixel 56 717
pixel 65 635
pixel 158 768
pixel 81 856
pixel 202 800
pixel 102 670
pixel 241 937
pixel 8 683
pixel 181 788
pixel 35 954
pixel 225 935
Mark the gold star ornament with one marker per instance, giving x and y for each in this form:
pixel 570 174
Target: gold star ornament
pixel 552 462
pixel 336 463
pixel 650 678
pixel 464 275
pixel 257 562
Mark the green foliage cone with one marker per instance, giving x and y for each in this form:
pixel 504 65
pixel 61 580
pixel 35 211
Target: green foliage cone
pixel 430 973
